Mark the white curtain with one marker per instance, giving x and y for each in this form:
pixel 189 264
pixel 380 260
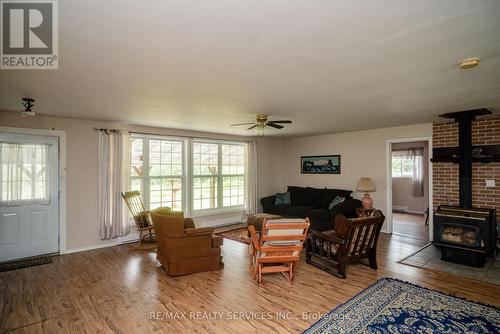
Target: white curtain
pixel 24 174
pixel 127 219
pixel 418 172
pixel 251 179
pixel 417 157
pixel 110 184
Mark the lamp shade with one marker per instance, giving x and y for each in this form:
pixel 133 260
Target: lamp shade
pixel 366 185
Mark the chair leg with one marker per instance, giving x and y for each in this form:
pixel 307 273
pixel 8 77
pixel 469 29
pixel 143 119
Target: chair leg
pixel 372 258
pixel 341 270
pixel 140 239
pixel 260 273
pixel 291 271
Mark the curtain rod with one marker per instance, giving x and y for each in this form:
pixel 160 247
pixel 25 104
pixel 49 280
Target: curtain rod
pixel 407 149
pixel 184 136
pixel 106 130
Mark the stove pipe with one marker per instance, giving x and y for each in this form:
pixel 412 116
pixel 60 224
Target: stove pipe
pixel 464 119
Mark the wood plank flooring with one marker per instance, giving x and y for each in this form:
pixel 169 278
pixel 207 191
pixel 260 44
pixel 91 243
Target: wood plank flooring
pixel 115 290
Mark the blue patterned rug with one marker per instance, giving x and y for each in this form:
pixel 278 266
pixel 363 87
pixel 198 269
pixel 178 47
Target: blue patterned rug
pixel 393 306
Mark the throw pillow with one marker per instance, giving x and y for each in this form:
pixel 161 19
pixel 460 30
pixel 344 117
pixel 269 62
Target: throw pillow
pixel 282 198
pixel 336 201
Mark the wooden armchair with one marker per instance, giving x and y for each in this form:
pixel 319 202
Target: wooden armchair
pixel 278 248
pixel 142 217
pixel 352 240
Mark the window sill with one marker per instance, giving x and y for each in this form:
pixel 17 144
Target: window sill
pixel 221 211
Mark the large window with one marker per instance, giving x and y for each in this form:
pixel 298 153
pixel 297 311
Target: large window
pixel 157 171
pixel 218 175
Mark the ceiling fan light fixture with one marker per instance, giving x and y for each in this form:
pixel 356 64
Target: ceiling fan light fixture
pixel 468 63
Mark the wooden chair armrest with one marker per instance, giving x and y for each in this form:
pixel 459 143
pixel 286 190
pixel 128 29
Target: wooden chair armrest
pixel 254 238
pixel 330 237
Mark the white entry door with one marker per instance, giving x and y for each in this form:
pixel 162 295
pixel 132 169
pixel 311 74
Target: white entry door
pixel 29 195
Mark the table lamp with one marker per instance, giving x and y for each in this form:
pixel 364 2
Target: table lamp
pixel 366 185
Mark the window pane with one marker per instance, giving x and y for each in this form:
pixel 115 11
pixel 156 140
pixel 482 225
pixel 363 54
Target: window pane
pixel 233 169
pixel 24 173
pixel 233 190
pixel 166 192
pixel 396 166
pixel 205 158
pixel 204 192
pixel 233 159
pixel 162 171
pixel 407 166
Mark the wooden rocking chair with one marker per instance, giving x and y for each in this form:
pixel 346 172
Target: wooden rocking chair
pixel 278 248
pixel 142 217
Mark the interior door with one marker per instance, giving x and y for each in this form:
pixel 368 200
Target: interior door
pixel 29 195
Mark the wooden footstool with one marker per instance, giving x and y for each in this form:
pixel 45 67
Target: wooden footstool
pixel 258 218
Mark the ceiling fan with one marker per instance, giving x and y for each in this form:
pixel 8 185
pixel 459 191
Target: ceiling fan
pixel 261 122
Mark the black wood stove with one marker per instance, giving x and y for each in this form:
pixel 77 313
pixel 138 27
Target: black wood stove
pixel 465 235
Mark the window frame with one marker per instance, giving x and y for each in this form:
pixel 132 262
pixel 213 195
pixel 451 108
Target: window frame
pixel 146 187
pixel 220 209
pixel 401 174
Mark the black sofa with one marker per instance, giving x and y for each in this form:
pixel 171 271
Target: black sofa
pixel 313 203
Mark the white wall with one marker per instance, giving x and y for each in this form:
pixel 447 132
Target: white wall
pixel 82 171
pixel 402 187
pixel 363 153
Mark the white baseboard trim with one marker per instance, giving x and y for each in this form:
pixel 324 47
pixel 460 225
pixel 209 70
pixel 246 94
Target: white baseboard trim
pixel 84 249
pixel 399 208
pixel 222 222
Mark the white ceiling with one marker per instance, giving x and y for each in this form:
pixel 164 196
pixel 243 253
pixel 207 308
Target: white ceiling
pixel 328 65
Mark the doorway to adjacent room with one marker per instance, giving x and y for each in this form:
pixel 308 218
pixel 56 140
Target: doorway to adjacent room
pixel 409 177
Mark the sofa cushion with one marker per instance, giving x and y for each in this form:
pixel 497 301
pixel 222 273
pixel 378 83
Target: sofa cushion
pixel 312 197
pixel 348 207
pixel 330 194
pixel 336 201
pixel 282 198
pixel 276 209
pixel 295 195
pixel 318 214
pixel 297 211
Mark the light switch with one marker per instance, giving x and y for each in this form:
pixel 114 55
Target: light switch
pixel 490 184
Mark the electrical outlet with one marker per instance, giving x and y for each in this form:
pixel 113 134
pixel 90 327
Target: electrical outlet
pixel 490 184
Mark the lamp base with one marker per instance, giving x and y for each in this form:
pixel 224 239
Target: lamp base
pixel 367 201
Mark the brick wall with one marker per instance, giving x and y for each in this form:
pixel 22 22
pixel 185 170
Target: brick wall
pixel 485 131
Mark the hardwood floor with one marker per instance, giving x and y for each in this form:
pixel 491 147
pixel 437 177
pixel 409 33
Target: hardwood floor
pixel 115 290
pixel 410 225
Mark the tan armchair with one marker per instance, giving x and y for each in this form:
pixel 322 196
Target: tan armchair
pixel 183 251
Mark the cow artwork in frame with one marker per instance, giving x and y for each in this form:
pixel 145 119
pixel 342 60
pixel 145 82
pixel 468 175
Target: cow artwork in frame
pixel 320 164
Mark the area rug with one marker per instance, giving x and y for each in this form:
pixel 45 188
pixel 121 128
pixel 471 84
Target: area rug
pixel 429 257
pixel 239 234
pixel 25 263
pixel 393 306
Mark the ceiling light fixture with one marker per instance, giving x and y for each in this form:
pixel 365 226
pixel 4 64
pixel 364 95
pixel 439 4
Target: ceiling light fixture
pixel 468 63
pixel 28 104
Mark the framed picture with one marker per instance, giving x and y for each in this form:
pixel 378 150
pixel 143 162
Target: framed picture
pixel 320 164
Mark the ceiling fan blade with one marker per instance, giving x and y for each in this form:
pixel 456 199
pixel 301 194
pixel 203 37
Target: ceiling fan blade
pixel 274 125
pixel 250 128
pixel 287 122
pixel 242 124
